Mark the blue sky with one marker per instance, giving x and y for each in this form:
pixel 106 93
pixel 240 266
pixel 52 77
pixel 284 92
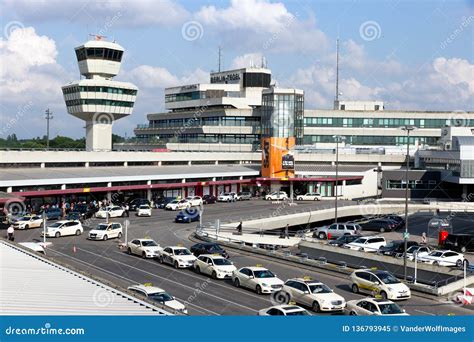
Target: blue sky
pixel 414 55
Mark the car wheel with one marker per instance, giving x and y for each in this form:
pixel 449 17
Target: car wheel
pixel 105 238
pixel 355 288
pixel 58 234
pixel 197 269
pixel 352 313
pixel 119 235
pixel 27 226
pixel 236 282
pixel 315 307
pixel 176 265
pixel 129 251
pixel 315 199
pixel 258 289
pixel 459 263
pixel 299 198
pixel 321 236
pixel 382 230
pixel 383 294
pixel 78 232
pixel 143 255
pixel 214 275
pixel 435 263
pixel 361 249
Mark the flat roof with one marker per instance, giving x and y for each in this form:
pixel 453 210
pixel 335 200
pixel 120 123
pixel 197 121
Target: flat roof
pixel 34 285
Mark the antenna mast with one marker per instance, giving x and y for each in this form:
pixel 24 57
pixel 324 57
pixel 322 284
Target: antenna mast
pixel 337 69
pixel 219 58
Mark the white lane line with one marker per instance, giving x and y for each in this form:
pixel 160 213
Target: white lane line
pixel 424 312
pixel 169 280
pixel 196 307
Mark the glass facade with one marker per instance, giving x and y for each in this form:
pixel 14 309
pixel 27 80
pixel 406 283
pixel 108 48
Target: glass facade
pixel 376 122
pixel 99 102
pixel 99 53
pixel 98 89
pixel 370 140
pixel 234 121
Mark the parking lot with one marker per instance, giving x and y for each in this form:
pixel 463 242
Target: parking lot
pixel 205 296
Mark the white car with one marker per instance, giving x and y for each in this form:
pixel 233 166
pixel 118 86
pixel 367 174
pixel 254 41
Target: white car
pixel 179 257
pixel 369 244
pixel 374 307
pixel 227 197
pixel 29 221
pixel 144 210
pixel 443 258
pixel 113 211
pixel 257 278
pixel 310 196
pixel 379 283
pixel 105 231
pixel 160 296
pixel 284 310
pixel 146 248
pixel 178 205
pixel 195 201
pixel 313 294
pixel 277 195
pixel 421 251
pixel 63 228
pixel 215 265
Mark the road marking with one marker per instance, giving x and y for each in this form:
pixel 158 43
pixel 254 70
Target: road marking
pixel 196 307
pixel 424 312
pixel 169 280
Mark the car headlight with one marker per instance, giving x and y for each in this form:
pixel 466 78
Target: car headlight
pixel 263 284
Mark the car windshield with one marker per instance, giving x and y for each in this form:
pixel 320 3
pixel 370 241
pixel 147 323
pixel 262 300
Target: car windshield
pixel 225 194
pixel 221 262
pixel 55 225
pixel 298 313
pixel 387 278
pixel 144 207
pixel 392 244
pixel 102 227
pixel 360 240
pixel 436 254
pixel 215 248
pixel 161 297
pixel 319 288
pixel 24 219
pixel 390 309
pixel 182 251
pixel 174 201
pixel 149 243
pixel 412 249
pixel 263 274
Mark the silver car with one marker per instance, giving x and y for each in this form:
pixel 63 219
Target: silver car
pixel 336 230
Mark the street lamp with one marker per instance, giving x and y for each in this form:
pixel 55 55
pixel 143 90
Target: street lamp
pixel 407 129
pixel 341 139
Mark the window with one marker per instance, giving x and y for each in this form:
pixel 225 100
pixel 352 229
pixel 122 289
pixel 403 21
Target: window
pixel 363 275
pixel 246 272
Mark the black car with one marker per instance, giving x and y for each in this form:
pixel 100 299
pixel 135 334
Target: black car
pixel 460 242
pixel 342 240
pixel 400 221
pixel 186 216
pixel 162 202
pixel 135 203
pixel 208 248
pixel 85 211
pixel 209 199
pixel 396 247
pixel 379 225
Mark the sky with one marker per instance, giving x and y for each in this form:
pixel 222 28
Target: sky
pixel 414 55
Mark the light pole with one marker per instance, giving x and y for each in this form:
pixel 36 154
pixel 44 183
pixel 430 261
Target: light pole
pixel 338 138
pixel 407 129
pixel 48 117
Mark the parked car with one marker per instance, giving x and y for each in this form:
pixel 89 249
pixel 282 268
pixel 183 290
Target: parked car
pixel 209 199
pixel 310 196
pixel 146 248
pixel 336 230
pixel 277 195
pixel 195 201
pixel 244 196
pixel 177 256
pixel 144 210
pixel 379 283
pixel 162 202
pixel 258 279
pixel 420 251
pixel 28 221
pixel 460 242
pixel 53 213
pixel 178 205
pixel 379 225
pixel 399 220
pixel 208 248
pixel 85 210
pixel 63 228
pixel 443 258
pixel 374 307
pixel 216 266
pixel 105 231
pixel 112 211
pixel 284 310
pixel 396 247
pixel 227 197
pixel 135 203
pixel 160 296
pixel 367 244
pixel 342 240
pixel 187 216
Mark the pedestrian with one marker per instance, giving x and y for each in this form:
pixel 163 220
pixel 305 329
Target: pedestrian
pixel 127 208
pixel 11 233
pixel 287 234
pixel 239 228
pixel 423 238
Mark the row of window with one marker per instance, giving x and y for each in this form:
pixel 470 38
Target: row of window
pixel 370 140
pixel 99 89
pixel 412 184
pixel 99 102
pixel 99 53
pixel 199 138
pixel 208 121
pixel 197 95
pixel 376 122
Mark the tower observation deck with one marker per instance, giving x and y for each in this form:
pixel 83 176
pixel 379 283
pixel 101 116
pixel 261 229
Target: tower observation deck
pixel 97 99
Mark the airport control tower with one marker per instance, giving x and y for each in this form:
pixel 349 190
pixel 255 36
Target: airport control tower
pixel 96 98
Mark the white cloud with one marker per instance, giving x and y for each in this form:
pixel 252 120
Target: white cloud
pixel 247 60
pixel 147 76
pixel 456 71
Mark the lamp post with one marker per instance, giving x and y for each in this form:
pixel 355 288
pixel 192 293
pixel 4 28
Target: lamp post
pixel 338 138
pixel 407 129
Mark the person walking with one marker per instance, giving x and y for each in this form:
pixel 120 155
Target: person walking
pixel 287 234
pixel 11 233
pixel 127 209
pixel 239 228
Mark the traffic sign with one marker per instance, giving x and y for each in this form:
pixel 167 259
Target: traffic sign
pixel 406 236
